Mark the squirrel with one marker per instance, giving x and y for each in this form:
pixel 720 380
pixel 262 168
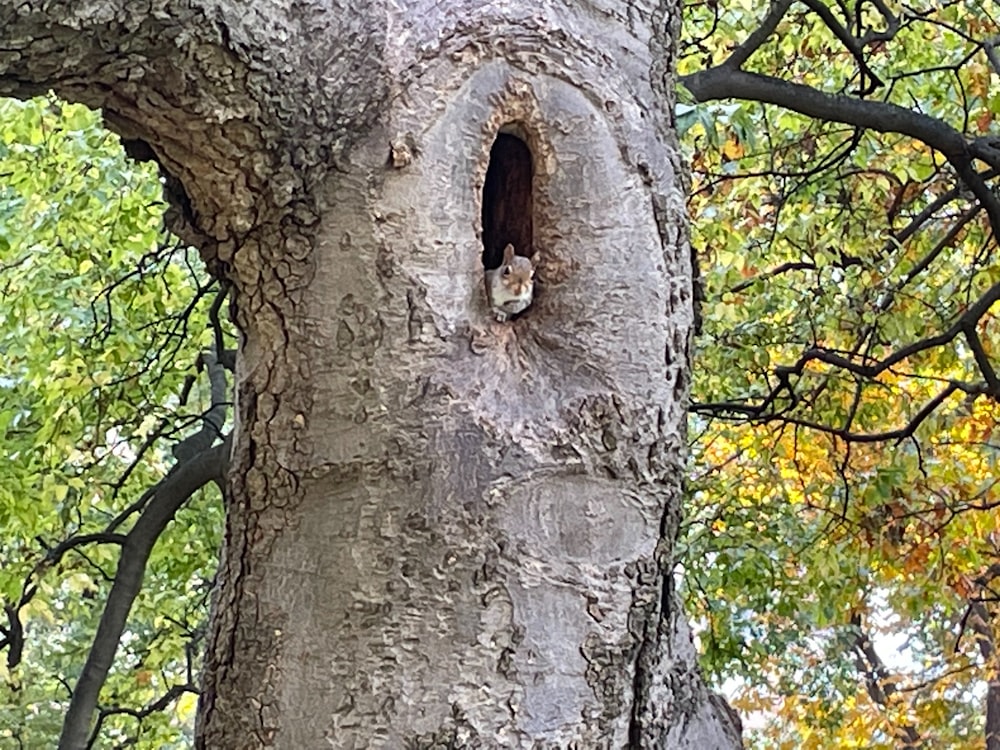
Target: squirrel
pixel 510 286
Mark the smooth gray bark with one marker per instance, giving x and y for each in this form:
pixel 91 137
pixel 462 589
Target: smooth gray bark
pixel 444 531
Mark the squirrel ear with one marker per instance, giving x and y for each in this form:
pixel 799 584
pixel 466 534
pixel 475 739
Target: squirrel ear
pixel 508 253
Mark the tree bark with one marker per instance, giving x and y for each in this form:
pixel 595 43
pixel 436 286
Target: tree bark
pixel 444 531
pixel 981 623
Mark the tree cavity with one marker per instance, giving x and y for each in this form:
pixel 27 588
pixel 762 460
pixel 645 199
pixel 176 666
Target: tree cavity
pixel 507 202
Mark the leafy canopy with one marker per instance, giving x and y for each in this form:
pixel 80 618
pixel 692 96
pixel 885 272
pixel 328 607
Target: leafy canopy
pixel 842 542
pixel 104 316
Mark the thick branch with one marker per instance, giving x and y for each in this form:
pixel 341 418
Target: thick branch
pixel 214 418
pixel 13 636
pixel 197 86
pixel 171 493
pixel 990 49
pixel 982 359
pixel 728 82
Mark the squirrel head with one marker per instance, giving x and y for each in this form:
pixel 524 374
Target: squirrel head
pixel 516 273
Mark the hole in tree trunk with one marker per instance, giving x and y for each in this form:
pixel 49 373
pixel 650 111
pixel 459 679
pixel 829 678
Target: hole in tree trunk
pixel 507 209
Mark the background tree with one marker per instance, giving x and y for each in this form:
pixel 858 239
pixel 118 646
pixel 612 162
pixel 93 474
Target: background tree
pixel 439 530
pixel 104 319
pixel 846 399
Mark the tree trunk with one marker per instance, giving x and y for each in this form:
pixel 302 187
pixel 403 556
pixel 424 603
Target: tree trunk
pixel 443 531
pixel 981 621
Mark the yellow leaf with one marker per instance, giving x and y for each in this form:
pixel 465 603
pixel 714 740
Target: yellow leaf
pixel 732 149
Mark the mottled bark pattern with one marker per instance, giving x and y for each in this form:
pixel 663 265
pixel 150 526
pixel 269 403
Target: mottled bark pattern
pixel 443 531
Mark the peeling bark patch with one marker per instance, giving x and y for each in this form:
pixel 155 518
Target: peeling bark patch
pixel 628 440
pixel 644 621
pixel 456 734
pixel 608 668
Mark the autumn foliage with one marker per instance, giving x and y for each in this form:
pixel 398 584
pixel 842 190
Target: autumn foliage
pixel 842 545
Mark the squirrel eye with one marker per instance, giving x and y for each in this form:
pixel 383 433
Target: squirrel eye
pixel 506 270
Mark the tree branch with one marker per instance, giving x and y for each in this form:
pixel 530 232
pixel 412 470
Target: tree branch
pixel 891 25
pixel 13 639
pixel 979 308
pixel 728 82
pixel 981 624
pixel 222 354
pixel 759 35
pixel 982 359
pixel 963 325
pixel 852 44
pixel 169 495
pixel 214 418
pixel 759 413
pixel 175 692
pixel 947 241
pixel 771 273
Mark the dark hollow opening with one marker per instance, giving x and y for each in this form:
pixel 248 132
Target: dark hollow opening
pixel 507 210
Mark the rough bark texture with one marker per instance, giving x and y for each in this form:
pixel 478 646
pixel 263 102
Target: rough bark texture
pixel 444 531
